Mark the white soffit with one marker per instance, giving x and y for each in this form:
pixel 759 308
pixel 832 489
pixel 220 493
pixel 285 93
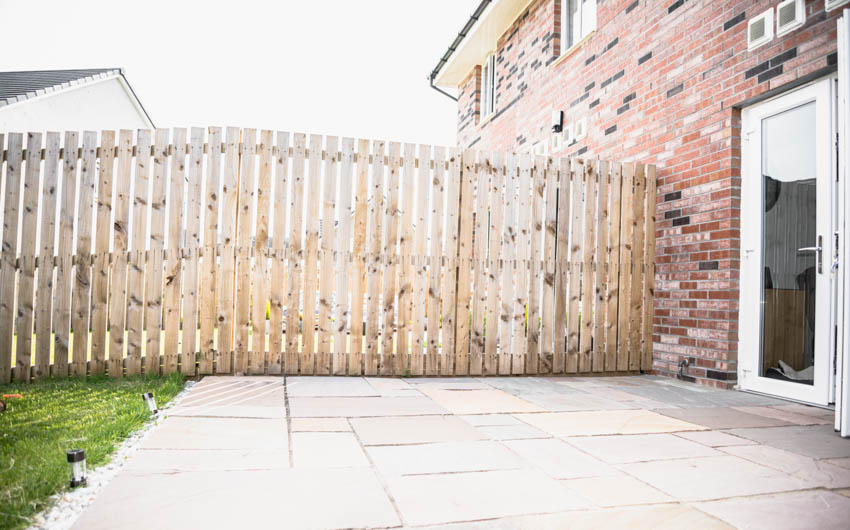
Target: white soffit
pixel 480 41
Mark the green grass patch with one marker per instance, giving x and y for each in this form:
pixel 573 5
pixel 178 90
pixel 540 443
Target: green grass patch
pixel 95 414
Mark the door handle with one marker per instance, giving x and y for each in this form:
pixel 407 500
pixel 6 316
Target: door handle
pixel 819 253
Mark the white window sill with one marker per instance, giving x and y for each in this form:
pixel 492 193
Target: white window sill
pixel 574 48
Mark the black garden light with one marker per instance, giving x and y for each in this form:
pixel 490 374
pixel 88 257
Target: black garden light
pixel 77 461
pixel 151 402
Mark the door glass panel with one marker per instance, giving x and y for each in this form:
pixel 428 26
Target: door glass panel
pixel 789 192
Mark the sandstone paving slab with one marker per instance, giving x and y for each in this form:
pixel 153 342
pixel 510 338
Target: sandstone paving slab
pixel 319 425
pixel 791 417
pixel 480 420
pixel 816 441
pixel 218 433
pixel 840 462
pixel 173 460
pixel 844 491
pixel 797 510
pixel 714 438
pixel 327 449
pixel 818 473
pixel 807 410
pixel 709 478
pixel 413 430
pixel 688 395
pixel 455 497
pixel 486 401
pixel 389 386
pixel 576 401
pixel 352 407
pixel 317 386
pixel 616 491
pixel 722 418
pixel 559 459
pixel 285 498
pixel 521 386
pixel 640 447
pixel 263 398
pixel 445 457
pixel 511 432
pixel 594 423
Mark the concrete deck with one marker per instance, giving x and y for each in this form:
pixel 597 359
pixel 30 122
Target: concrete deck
pixel 330 452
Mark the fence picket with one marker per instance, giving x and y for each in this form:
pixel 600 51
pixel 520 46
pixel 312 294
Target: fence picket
pixel 405 273
pixel 311 257
pixel 100 270
pixel 341 325
pixel 8 267
pixel 509 318
pixel 375 259
pixel 477 355
pixel 491 331
pixel 523 362
pixel 420 263
pixel 295 256
pixel 435 268
pixel 613 295
pixel 277 296
pixel 260 276
pixel 550 180
pixel 390 263
pixel 625 292
pixel 44 291
pixel 562 267
pixel 585 360
pixel 80 300
pixel 577 187
pixel 601 265
pixel 208 280
pixel 118 273
pixel 153 280
pixel 324 356
pixel 358 254
pixel 174 260
pixel 449 287
pixel 227 275
pixel 635 312
pixel 649 270
pixel 532 364
pixel 137 262
pixel 244 221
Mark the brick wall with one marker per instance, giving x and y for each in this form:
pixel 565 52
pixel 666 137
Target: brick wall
pixel 660 82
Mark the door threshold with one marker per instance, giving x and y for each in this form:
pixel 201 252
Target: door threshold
pixel 790 400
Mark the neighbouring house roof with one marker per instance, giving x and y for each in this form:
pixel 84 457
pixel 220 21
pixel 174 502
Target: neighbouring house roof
pixel 21 86
pixel 477 39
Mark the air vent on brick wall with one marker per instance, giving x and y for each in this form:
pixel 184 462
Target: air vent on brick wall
pixel 581 129
pixel 760 29
pixel 790 15
pixel 832 4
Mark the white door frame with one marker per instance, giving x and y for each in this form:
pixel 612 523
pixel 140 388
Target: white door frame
pixel 842 253
pixel 749 310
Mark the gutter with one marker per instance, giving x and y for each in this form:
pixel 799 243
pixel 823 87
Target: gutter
pixel 454 46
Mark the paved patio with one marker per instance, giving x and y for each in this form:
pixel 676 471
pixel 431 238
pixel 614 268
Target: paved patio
pixel 329 452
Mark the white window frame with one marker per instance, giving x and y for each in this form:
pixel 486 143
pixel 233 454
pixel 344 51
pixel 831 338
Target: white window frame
pixel 586 14
pixel 835 4
pixel 488 86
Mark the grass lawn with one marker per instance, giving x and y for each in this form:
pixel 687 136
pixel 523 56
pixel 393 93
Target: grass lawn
pixel 55 415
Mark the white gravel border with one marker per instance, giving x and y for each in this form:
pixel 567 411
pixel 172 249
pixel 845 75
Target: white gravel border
pixel 67 506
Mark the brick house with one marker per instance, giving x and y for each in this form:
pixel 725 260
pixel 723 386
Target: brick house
pixel 673 83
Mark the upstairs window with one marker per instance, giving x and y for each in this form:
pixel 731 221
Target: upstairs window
pixel 578 20
pixel 488 86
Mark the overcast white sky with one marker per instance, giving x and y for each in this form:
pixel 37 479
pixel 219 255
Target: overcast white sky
pixel 342 67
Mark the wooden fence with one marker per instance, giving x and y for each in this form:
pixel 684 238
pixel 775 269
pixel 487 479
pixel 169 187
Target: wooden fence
pixel 233 251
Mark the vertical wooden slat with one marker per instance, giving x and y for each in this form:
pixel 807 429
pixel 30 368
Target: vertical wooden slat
pixel 405 278
pixel 260 276
pixel 585 361
pixel 390 287
pixel 509 317
pixel 420 252
pixel 375 261
pixel 342 329
pixel 278 268
pixel 80 301
pixel 311 252
pixel 625 291
pixel 8 267
pixel 649 271
pixel 523 362
pixel 227 274
pixel 244 223
pixel 601 266
pixel 477 361
pixel 26 277
pixel 577 186
pixel 153 280
pixel 464 257
pixel 532 361
pixel 562 267
pixel 136 274
pixel 44 291
pixel 636 302
pixel 550 180
pixel 449 288
pixel 118 275
pixel 358 253
pixel 435 270
pixel 209 273
pixel 494 257
pixel 613 295
pixel 191 248
pixel 174 262
pixel 326 267
pixel 100 273
pixel 295 255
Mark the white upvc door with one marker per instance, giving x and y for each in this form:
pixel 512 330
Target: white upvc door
pixel 842 254
pixel 787 209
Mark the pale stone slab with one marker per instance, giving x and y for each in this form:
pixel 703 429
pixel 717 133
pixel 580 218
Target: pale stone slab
pixel 434 499
pixel 709 478
pixel 218 433
pixel 487 401
pixel 172 460
pixel 816 472
pixel 576 401
pixel 261 398
pixel 447 457
pixel 722 417
pixel 786 415
pixel 559 459
pixel 640 447
pixel 352 407
pixel 327 449
pixel 808 410
pixel 817 441
pixel 616 491
pixel 391 386
pixel 714 438
pixel 840 462
pixel 511 432
pixel 413 430
pixel 315 386
pixel 480 420
pixel 291 498
pixel 320 425
pixel 799 510
pixel 593 423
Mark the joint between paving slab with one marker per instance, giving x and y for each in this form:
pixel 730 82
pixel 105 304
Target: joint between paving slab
pixel 288 423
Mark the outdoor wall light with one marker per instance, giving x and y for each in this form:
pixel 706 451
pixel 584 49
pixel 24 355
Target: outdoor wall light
pixel 77 461
pixel 151 402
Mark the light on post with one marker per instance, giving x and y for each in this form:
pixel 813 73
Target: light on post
pixel 151 402
pixel 77 462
